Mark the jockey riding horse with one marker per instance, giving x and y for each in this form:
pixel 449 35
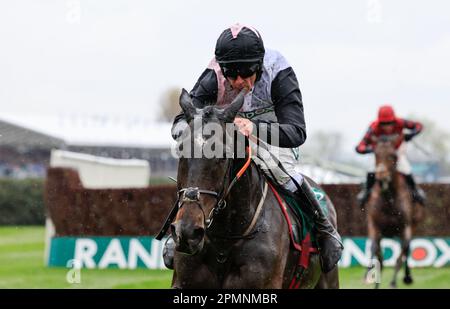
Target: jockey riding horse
pixel 273 105
pixel 388 124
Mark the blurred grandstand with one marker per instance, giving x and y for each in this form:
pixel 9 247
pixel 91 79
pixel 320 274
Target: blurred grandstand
pixel 26 143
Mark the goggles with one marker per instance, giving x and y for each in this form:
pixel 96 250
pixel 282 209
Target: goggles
pixel 244 70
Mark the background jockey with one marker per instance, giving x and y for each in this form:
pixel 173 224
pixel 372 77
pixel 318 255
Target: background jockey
pixel 388 124
pixel 273 103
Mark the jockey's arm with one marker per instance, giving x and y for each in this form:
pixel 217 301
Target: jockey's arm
pixel 287 100
pixel 414 128
pixel 365 146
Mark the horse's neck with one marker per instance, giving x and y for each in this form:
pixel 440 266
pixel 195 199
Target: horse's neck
pixel 398 184
pixel 395 192
pixel 242 202
pixel 401 188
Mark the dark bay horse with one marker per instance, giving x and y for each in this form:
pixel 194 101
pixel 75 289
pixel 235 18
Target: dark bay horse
pixel 391 211
pixel 230 232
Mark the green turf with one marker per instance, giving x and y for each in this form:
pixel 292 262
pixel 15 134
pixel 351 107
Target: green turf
pixel 424 278
pixel 22 266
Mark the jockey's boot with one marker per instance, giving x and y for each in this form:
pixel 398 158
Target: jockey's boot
pixel 168 252
pixel 329 241
pixel 363 196
pixel 418 194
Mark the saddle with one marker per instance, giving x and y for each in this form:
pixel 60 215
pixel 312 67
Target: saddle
pixel 301 224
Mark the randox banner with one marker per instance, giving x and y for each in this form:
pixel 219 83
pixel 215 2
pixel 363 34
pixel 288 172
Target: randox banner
pixel 106 252
pixel 146 252
pixel 424 252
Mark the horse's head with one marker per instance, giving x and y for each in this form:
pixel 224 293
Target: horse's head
pixel 206 148
pixel 385 159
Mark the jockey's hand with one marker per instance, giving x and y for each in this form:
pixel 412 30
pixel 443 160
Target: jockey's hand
pixel 374 139
pixel 408 137
pixel 245 126
pixel 369 149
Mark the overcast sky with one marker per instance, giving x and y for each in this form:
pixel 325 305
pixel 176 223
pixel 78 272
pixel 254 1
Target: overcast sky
pixel 117 57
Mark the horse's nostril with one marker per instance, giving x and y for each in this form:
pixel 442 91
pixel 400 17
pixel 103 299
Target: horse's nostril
pixel 198 233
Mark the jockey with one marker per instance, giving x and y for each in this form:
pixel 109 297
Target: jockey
pixel 273 103
pixel 388 124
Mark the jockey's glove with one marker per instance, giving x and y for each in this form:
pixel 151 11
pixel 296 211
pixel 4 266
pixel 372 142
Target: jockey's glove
pixel 408 137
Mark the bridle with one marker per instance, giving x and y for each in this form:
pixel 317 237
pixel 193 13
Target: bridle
pixel 192 195
pixel 381 168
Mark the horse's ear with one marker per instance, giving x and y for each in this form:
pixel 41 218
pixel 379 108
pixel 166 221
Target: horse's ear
pixel 231 111
pixel 186 105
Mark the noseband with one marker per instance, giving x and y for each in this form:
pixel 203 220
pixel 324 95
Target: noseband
pixel 383 182
pixel 192 194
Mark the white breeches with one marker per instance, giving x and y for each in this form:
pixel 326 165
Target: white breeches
pixel 289 159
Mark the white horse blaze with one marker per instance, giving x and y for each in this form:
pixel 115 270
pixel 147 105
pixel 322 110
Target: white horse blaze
pixel 199 141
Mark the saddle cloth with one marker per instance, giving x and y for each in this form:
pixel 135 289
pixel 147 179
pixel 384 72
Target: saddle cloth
pixel 302 223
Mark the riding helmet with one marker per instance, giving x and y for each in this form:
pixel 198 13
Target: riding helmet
pixel 239 43
pixel 386 114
